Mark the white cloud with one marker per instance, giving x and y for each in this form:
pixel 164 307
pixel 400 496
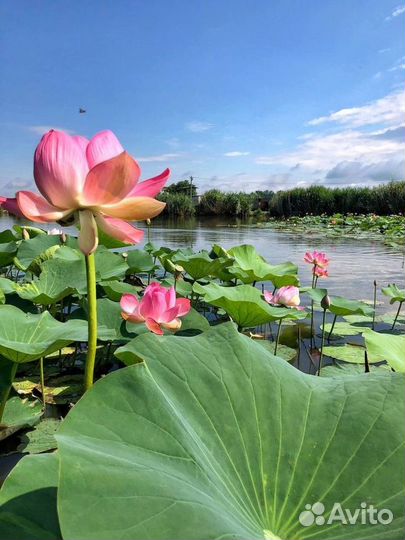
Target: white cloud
pixel 198 127
pixel 41 130
pixel 236 154
pixel 395 12
pixel 400 64
pixel 174 142
pixel 389 109
pixel 387 49
pixel 159 158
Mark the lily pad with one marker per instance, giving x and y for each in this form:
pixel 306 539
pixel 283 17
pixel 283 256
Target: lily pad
pixel 140 262
pixel 339 369
pixel 344 329
pixel 347 353
pixel 115 289
pixel 228 441
pixel 284 352
pixel 200 265
pixel 41 438
pixel 28 500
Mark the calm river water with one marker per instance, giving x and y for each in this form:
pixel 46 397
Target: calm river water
pixel 355 263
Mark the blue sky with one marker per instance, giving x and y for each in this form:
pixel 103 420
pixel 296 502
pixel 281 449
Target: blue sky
pixel 241 94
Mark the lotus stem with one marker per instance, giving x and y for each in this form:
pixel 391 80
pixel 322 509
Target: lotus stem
pixel 42 377
pixel 332 327
pixel 92 321
pixel 312 324
pixel 366 364
pixel 323 342
pixel 396 316
pixel 6 392
pixel 374 302
pixel 278 336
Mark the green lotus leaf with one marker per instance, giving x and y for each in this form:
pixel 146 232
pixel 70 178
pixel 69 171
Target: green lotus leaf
pixel 7 285
pixel 41 438
pixel 7 253
pixel 249 266
pixel 339 369
pixel 347 353
pixel 25 337
pixel 338 304
pixel 140 262
pixel 284 352
pixel 344 329
pixel 7 236
pixel 244 304
pixel 28 500
pixel 214 437
pixel 111 325
pixel 30 250
pixel 115 289
pixel 19 413
pixel 386 347
pixel 183 288
pixel 200 265
pixel 394 293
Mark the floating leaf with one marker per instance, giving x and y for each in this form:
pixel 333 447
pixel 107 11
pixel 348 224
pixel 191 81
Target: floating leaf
pixel 339 369
pixel 41 438
pixel 28 500
pixel 284 352
pixel 344 329
pixel 227 441
pixel 347 353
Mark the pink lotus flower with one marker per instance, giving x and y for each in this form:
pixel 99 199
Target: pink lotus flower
pixel 318 271
pixel 159 308
pixel 11 206
pixel 288 296
pixel 316 258
pixel 95 182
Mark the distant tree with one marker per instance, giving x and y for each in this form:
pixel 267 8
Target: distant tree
pixel 184 187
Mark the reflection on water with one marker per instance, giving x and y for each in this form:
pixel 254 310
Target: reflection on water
pixel 354 263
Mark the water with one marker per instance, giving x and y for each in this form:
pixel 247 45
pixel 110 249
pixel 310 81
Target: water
pixel 355 263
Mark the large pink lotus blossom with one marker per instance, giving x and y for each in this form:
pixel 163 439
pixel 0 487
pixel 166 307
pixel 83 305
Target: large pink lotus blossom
pixel 317 258
pixel 159 308
pixel 11 206
pixel 288 296
pixel 94 182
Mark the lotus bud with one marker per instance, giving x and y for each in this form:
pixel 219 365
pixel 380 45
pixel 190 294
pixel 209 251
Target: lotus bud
pixel 63 238
pixel 325 302
pixel 178 272
pixel 25 234
pixel 148 222
pixel 375 283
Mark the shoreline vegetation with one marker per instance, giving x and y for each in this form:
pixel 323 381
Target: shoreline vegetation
pixel 182 200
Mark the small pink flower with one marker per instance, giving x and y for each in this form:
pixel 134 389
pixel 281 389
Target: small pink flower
pixel 288 296
pixel 318 271
pixel 159 308
pixel 94 182
pixel 316 258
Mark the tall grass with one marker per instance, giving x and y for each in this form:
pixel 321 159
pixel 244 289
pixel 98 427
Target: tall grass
pixel 382 200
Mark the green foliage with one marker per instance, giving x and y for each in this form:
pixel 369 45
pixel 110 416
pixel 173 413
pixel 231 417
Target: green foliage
pixel 177 204
pixel 187 455
pixel 382 200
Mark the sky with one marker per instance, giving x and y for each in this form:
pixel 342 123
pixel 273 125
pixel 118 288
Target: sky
pixel 240 94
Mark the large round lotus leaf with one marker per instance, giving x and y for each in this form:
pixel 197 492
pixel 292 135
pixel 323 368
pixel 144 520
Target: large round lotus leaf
pixel 249 267
pixel 25 337
pixel 343 329
pixel 338 304
pixel 139 261
pixel 348 353
pixel 115 289
pixel 28 500
pixel 19 413
pixel 31 249
pixel 7 253
pixel 386 347
pixel 244 304
pixel 200 265
pixel 213 437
